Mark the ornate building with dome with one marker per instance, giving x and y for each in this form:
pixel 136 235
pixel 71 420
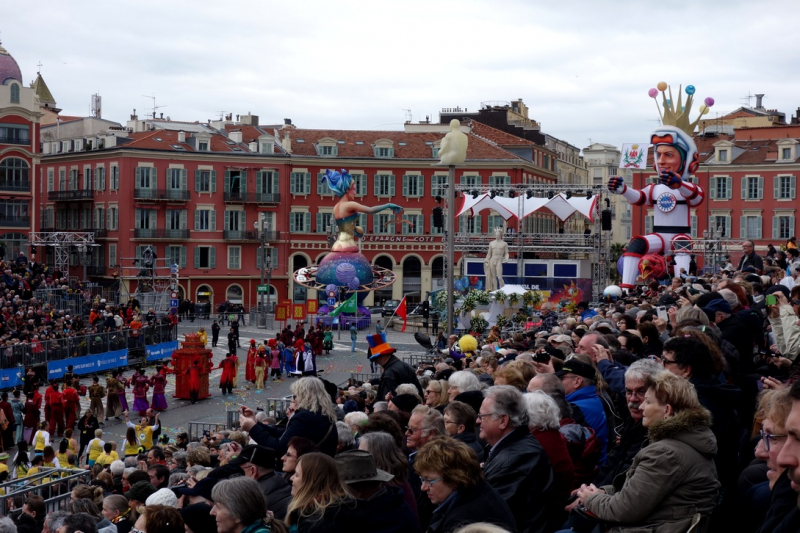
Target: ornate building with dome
pixel 20 116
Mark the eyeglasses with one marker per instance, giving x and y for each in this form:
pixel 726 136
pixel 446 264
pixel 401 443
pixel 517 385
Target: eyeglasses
pixel 638 393
pixel 767 437
pixel 481 416
pixel 665 362
pixel 430 482
pixel 431 392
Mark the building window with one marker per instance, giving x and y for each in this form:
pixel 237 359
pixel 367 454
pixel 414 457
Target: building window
pixel 722 225
pixel 205 257
pixel 100 178
pixel 145 178
pixel 205 180
pixel 202 146
pixel 113 218
pixel 14 93
pixel 87 178
pixel 438 185
pixel 786 153
pixel 499 181
pixel 50 179
pixel 782 226
pixel 266 148
pixel 383 224
pixel 468 224
pixel 384 185
pixel 270 252
pixel 99 218
pixel 300 183
pixel 494 221
pixel 471 180
pixel 14 174
pixel 413 185
pixel 205 219
pixel 176 255
pixel 176 179
pixel 299 222
pixel 723 156
pixel 361 184
pixel 324 221
pixel 327 150
pixel 235 257
pixel 384 152
pixel 15 134
pixel 750 227
pixel 323 189
pixel 785 187
pixel 415 225
pixel 14 212
pixel 176 219
pixel 266 184
pixel 694 226
pixel 235 221
pixel 721 188
pixel 648 224
pixel 112 255
pixel 114 178
pixel 752 188
pixel 145 219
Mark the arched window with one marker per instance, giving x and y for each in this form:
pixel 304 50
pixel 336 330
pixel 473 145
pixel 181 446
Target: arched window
pixel 235 295
pixel 14 93
pixel 14 174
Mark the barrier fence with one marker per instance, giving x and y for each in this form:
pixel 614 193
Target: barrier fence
pixel 54 485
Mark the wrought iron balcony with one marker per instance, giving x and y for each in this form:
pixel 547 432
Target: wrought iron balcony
pixel 252 197
pixel 161 233
pixel 75 195
pixel 170 195
pixel 238 235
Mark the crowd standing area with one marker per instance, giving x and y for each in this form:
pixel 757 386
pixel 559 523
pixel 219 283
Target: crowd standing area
pixel 673 408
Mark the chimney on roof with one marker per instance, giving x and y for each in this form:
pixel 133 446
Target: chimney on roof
pixel 759 98
pixel 235 136
pixel 134 116
pixel 181 136
pixel 286 142
pixel 249 120
pixel 253 146
pixel 287 122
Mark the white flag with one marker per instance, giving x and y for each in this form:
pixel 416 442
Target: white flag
pixel 634 155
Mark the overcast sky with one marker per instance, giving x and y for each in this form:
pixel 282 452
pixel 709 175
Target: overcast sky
pixel 583 67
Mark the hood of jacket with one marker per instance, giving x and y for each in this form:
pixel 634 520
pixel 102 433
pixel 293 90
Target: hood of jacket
pixel 692 427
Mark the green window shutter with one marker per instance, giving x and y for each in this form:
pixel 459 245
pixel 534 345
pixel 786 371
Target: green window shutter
pixel 377 184
pixel 391 186
pixel 243 183
pixel 712 186
pixel 420 185
pixel 792 187
pixel 226 225
pixel 320 185
pixel 308 222
pixel 275 182
pixel 776 188
pixel 154 178
pixel 152 217
pixel 791 226
pixel 375 224
pixel 775 227
pixel 405 185
pixel 335 151
pixel 213 220
pixel 307 184
pixel 227 181
pixel 212 255
pixel 319 223
pixel 213 181
pixel 137 224
pixel 197 257
pixel 492 181
pixel 259 181
pixel 478 225
pixel 197 181
pixel 742 227
pixel 183 257
pixel 138 177
pixel 761 187
pixel 196 219
pixel 184 180
pixel 184 216
pixel 744 188
pixel 759 228
pixel 243 221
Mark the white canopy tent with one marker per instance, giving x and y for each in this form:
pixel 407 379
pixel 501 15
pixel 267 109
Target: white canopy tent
pixel 559 205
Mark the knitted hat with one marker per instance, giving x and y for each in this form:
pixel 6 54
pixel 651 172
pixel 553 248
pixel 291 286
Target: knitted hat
pixel 198 518
pixel 162 497
pixel 140 491
pixel 405 402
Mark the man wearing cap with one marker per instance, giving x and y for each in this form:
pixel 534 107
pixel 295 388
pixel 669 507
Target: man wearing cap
pixel 258 463
pixel 138 493
pixel 378 505
pixel 395 371
pixel 731 327
pixel 579 381
pixel 200 493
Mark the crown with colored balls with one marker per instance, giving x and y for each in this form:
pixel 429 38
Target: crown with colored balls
pixel 677 114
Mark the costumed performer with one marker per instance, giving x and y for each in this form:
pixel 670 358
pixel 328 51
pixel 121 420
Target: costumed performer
pixel 140 387
pixel 194 380
pixel 124 383
pixel 249 369
pixel 675 160
pixel 159 383
pixel 347 210
pixel 260 368
pixel 228 367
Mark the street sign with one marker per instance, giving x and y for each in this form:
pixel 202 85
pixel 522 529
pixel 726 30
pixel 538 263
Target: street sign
pixel 331 301
pixel 173 303
pixel 263 288
pixel 174 295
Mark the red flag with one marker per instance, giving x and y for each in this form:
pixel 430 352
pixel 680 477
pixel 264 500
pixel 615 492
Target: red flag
pixel 402 312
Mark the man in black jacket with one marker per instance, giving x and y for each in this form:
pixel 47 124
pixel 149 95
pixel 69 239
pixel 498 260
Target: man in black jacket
pixel 750 258
pixel 516 464
pixel 395 371
pixel 258 462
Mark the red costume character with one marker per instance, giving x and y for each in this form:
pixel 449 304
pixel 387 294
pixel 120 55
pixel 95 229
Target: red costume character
pixel 228 366
pixel 71 404
pixel 56 410
pixel 194 380
pixel 140 387
pixel 159 383
pixel 249 369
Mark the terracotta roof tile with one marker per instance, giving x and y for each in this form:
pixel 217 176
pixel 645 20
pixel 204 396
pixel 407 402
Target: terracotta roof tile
pixel 496 136
pixel 147 140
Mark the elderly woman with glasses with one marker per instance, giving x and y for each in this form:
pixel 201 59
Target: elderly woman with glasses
pixel 436 394
pixel 453 481
pixel 672 484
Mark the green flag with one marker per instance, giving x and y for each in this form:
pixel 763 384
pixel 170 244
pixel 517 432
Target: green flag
pixel 350 306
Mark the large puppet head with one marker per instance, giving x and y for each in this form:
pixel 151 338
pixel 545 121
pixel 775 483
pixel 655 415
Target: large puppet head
pixel 339 182
pixel 676 131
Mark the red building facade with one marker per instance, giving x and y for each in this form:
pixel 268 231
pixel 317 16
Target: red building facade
pixel 198 197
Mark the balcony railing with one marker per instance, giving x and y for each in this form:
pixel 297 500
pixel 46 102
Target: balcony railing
pixel 176 234
pixel 22 185
pixel 161 194
pixel 237 235
pixel 252 197
pixel 71 195
pixel 14 222
pixel 14 140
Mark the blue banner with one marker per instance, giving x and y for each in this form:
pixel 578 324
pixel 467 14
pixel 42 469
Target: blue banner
pixel 161 351
pixel 88 363
pixel 11 377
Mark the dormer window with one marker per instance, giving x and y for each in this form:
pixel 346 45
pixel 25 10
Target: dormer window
pixel 202 146
pixel 326 147
pixel 267 148
pixel 786 153
pixel 722 156
pixel 383 148
pixel 786 150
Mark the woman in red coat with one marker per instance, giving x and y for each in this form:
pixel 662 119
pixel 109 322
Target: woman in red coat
pixel 194 380
pixel 228 366
pixel 250 369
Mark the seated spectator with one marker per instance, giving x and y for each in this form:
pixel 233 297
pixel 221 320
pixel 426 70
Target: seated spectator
pixel 389 457
pixel 163 519
pixel 459 423
pixel 239 505
pixel 317 494
pixel 675 469
pixel 579 380
pixel 452 479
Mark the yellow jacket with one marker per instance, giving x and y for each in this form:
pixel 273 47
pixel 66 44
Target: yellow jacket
pixel 203 336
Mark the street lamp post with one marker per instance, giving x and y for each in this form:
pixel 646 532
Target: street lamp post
pixel 269 288
pixel 266 265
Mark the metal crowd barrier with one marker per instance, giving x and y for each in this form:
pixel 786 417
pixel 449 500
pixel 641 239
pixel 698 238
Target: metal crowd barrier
pixel 54 485
pixel 357 378
pixel 197 429
pixel 277 407
pixel 416 360
pixel 40 352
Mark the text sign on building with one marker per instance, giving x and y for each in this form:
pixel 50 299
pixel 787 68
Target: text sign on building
pixel 403 238
pixel 263 288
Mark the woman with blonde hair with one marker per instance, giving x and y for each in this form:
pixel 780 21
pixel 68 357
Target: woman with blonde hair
pixel 675 468
pixel 239 505
pixel 317 494
pixel 510 376
pixel 117 511
pixel 436 394
pixel 312 416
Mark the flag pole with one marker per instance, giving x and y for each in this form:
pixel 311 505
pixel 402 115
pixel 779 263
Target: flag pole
pixel 395 310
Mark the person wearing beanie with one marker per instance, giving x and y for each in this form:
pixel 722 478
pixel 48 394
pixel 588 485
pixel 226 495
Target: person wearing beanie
pixel 162 497
pixel 403 402
pixel 197 518
pixel 138 493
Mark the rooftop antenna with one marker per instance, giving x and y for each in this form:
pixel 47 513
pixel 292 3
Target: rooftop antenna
pixel 221 116
pixel 747 98
pixel 155 107
pixel 409 117
pixel 39 67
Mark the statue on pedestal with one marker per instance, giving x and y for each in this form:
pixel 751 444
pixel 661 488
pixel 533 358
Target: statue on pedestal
pixel 493 264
